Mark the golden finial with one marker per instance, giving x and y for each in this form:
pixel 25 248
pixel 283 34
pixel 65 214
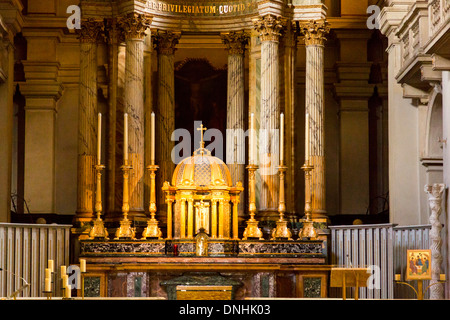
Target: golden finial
pixel 201 129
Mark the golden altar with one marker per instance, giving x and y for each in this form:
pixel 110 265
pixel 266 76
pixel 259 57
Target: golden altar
pixel 202 247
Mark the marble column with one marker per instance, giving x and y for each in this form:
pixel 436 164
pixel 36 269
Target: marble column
pixel 435 192
pixel 165 42
pixel 6 126
pixel 133 27
pixel 314 33
pixel 113 38
pixel 290 53
pixel 269 28
pixel 87 119
pixel 235 43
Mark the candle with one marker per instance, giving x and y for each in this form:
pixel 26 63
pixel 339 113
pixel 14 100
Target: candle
pixel 63 270
pixel 68 292
pixel 251 142
pixel 281 138
pixel 307 137
pixel 152 157
pixel 125 138
pixel 442 277
pixel 65 280
pixel 397 277
pixel 48 285
pixel 99 139
pixel 83 265
pixel 48 273
pixel 50 265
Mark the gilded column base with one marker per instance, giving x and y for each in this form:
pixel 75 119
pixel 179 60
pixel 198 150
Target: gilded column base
pixel 152 231
pixel 125 231
pixel 281 231
pixel 252 230
pixel 98 231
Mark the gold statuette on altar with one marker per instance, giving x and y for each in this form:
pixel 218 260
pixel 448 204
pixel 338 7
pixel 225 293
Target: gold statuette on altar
pixel 152 231
pixel 252 231
pixel 98 231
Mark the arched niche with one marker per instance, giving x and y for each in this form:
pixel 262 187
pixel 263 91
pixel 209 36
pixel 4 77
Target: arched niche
pixel 434 128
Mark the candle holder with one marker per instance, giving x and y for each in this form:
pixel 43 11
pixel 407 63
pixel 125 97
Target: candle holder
pixel 281 231
pixel 308 231
pixel 252 231
pixel 152 231
pixel 98 231
pixel 82 284
pixel 48 294
pixel 125 231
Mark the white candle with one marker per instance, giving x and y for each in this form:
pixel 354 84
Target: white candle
pixel 281 138
pixel 48 284
pixel 50 265
pixel 68 292
pixel 83 265
pixel 252 137
pixel 48 273
pixel 65 280
pixel 307 137
pixel 152 158
pixel 99 139
pixel 125 137
pixel 63 270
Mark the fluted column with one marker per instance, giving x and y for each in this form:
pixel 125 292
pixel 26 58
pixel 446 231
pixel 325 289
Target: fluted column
pixel 314 33
pixel 290 53
pixel 165 42
pixel 269 28
pixel 133 27
pixel 87 119
pixel 235 43
pixel 435 200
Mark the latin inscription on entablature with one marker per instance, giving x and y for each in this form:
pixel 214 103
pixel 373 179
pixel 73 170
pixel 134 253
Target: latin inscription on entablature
pixel 206 9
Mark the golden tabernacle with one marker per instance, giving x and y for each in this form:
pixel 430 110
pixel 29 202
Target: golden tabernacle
pixel 202 183
pixel 202 222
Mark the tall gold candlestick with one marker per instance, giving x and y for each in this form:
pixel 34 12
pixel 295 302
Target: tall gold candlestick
pixel 98 230
pixel 125 231
pixel 308 231
pixel 252 230
pixel 152 230
pixel 281 231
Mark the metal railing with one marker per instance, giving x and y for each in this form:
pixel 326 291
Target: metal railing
pixel 24 253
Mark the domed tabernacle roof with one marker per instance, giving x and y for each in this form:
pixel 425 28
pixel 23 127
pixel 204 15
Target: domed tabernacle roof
pixel 201 170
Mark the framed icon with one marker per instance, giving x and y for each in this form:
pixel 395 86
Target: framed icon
pixel 418 265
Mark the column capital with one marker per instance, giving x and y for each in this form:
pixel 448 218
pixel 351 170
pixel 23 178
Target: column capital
pixel 269 27
pixel 165 41
pixel 235 42
pixel 314 31
pixel 91 30
pixel 134 25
